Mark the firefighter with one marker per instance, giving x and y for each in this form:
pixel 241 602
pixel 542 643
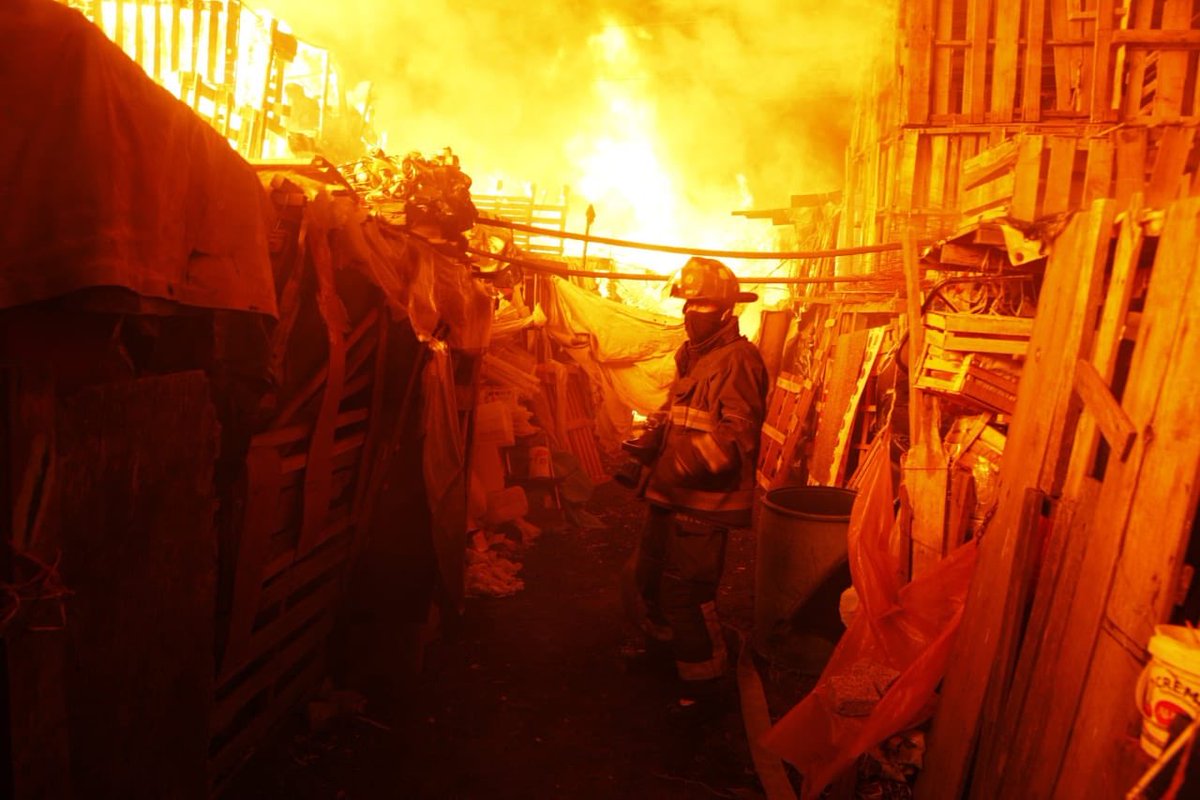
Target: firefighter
pixel 699 454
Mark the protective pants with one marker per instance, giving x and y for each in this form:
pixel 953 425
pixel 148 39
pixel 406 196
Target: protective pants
pixel 677 568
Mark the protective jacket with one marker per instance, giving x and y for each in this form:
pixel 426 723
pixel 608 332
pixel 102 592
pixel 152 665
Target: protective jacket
pixel 710 430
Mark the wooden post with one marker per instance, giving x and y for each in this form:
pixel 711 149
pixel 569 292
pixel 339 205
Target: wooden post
pixel 139 33
pixel 1102 78
pixel 156 5
pixel 1004 66
pixel 919 54
pixel 1172 64
pixel 175 35
pixel 196 6
pixel 975 68
pixel 1031 94
pixel 925 466
pixel 118 32
pixel 214 34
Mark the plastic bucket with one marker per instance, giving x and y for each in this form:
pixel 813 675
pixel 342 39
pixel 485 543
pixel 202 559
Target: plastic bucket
pixel 801 545
pixel 1169 685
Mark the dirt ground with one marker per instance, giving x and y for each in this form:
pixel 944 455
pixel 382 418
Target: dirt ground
pixel 531 696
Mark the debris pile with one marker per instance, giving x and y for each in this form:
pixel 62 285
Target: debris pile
pixel 432 193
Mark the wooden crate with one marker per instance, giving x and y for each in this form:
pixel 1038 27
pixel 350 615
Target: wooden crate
pixel 965 380
pixel 978 333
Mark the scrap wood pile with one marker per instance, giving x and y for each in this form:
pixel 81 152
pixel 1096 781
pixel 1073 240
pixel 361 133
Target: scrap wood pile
pixel 534 459
pixel 1023 433
pixel 427 194
pixel 848 411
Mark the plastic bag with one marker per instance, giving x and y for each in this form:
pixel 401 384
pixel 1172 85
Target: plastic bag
pixel 882 675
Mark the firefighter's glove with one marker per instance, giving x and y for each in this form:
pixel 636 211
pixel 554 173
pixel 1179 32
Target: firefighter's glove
pixel 645 448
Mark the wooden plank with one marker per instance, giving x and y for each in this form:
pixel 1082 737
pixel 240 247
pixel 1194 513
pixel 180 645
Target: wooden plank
pixel 1145 513
pixel 1031 93
pixel 918 57
pixel 1027 179
pixel 118 31
pixel 34 661
pixel 953 160
pixel 906 176
pixel 1098 400
pixel 1172 63
pixel 1097 179
pixel 1064 68
pixel 197 7
pixel 139 33
pixel 1131 164
pixel 1019 587
pixel 175 36
pixel 942 57
pixel 989 164
pixel 1109 333
pixel 226 759
pixel 234 697
pixel 135 460
pixel 264 478
pixel 1167 176
pixel 937 172
pixel 986 646
pixel 1158 39
pixel 966 343
pixel 839 391
pixel 212 41
pixel 1057 196
pixel 981 323
pixel 233 14
pixel 989 195
pixel 1004 65
pixel 976 58
pixel 290 621
pixel 323 561
pixel 1138 59
pixel 1103 80
pixel 1005 758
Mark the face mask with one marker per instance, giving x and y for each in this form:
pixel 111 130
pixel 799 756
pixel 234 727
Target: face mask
pixel 701 325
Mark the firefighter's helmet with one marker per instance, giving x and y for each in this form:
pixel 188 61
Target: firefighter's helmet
pixel 709 279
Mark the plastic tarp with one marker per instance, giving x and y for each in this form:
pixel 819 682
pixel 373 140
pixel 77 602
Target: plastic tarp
pixel 106 179
pixel 907 630
pixel 630 353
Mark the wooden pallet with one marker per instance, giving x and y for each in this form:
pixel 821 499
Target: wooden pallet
pixel 964 380
pixel 567 389
pixel 971 61
pixel 522 208
pixel 786 417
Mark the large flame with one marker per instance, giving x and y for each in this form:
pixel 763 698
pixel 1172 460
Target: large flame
pixel 665 117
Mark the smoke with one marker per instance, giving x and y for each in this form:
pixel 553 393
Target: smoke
pixel 748 98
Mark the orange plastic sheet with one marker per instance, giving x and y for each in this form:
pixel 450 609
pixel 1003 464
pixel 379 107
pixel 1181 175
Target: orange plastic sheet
pixel 908 629
pixel 106 179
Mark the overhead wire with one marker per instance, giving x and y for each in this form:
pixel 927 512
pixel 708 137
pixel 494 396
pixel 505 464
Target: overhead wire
pixel 687 251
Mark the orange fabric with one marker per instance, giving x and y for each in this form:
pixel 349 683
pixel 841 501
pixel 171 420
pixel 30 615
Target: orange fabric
pixel 108 180
pixel 909 629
